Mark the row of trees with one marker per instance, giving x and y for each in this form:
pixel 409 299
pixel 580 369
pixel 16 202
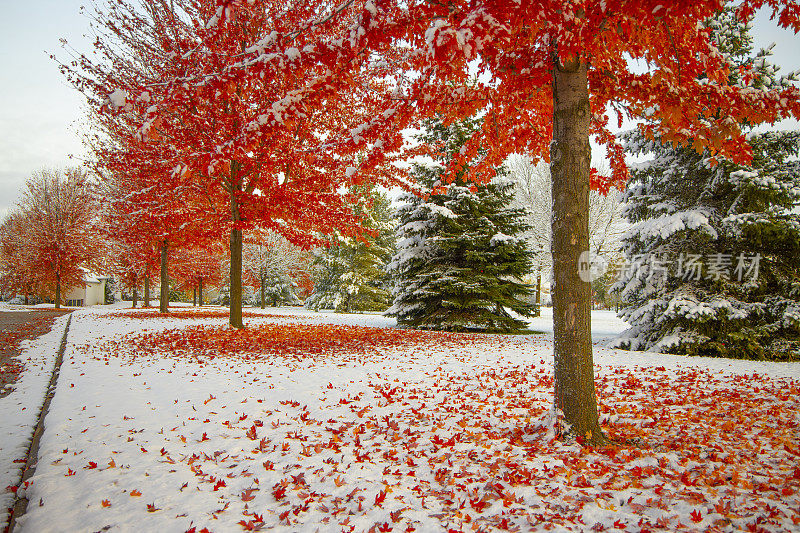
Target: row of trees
pixel 63 228
pixel 462 258
pixel 222 116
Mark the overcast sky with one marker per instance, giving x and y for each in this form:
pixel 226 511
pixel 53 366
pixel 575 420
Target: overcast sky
pixel 41 116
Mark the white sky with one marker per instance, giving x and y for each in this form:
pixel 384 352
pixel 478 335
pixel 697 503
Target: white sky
pixel 41 115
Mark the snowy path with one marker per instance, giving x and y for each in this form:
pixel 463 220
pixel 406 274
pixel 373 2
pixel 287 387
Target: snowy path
pixel 373 429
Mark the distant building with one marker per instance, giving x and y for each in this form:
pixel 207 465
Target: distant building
pixel 91 292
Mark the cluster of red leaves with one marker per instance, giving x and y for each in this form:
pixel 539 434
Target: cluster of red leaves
pixel 147 314
pixel 291 340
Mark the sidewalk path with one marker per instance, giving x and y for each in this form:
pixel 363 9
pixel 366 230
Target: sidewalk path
pixel 29 343
pixel 16 327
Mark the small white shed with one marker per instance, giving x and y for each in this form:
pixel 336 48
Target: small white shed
pixel 92 292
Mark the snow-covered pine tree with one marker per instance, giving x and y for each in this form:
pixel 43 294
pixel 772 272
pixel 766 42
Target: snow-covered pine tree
pixel 279 289
pixel 350 274
pixel 714 248
pixel 460 253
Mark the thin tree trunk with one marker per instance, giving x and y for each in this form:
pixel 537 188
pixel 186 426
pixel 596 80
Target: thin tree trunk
pixel 194 297
pixel 164 297
pixel 200 291
pixel 539 288
pixel 263 304
pixel 135 298
pixel 236 264
pixel 58 291
pixel 146 290
pixel 570 157
pixel 26 299
pixel 539 293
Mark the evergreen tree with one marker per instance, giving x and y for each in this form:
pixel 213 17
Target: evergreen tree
pixel 713 249
pixel 460 253
pixel 350 273
pixel 279 289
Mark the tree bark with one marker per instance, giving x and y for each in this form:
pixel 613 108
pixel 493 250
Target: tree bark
pixel 135 298
pixel 146 302
pixel 236 263
pixel 263 304
pixel 194 297
pixel 58 291
pixel 570 159
pixel 163 306
pixel 200 291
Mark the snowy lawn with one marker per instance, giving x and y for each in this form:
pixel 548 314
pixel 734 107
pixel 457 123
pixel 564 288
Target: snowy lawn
pixel 309 422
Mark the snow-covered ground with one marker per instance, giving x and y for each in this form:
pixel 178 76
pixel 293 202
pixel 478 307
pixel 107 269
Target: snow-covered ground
pixel 312 421
pixel 19 410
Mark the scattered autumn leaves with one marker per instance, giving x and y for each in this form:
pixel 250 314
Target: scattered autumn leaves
pixel 14 329
pixel 290 340
pixel 474 449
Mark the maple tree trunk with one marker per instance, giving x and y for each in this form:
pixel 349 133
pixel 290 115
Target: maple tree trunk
pixel 135 298
pixel 200 292
pixel 163 306
pixel 236 265
pixel 570 159
pixel 263 304
pixel 146 302
pixel 58 291
pixel 26 298
pixel 194 297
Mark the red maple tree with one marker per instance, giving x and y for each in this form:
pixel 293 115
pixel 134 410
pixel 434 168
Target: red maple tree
pixel 58 217
pixel 198 267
